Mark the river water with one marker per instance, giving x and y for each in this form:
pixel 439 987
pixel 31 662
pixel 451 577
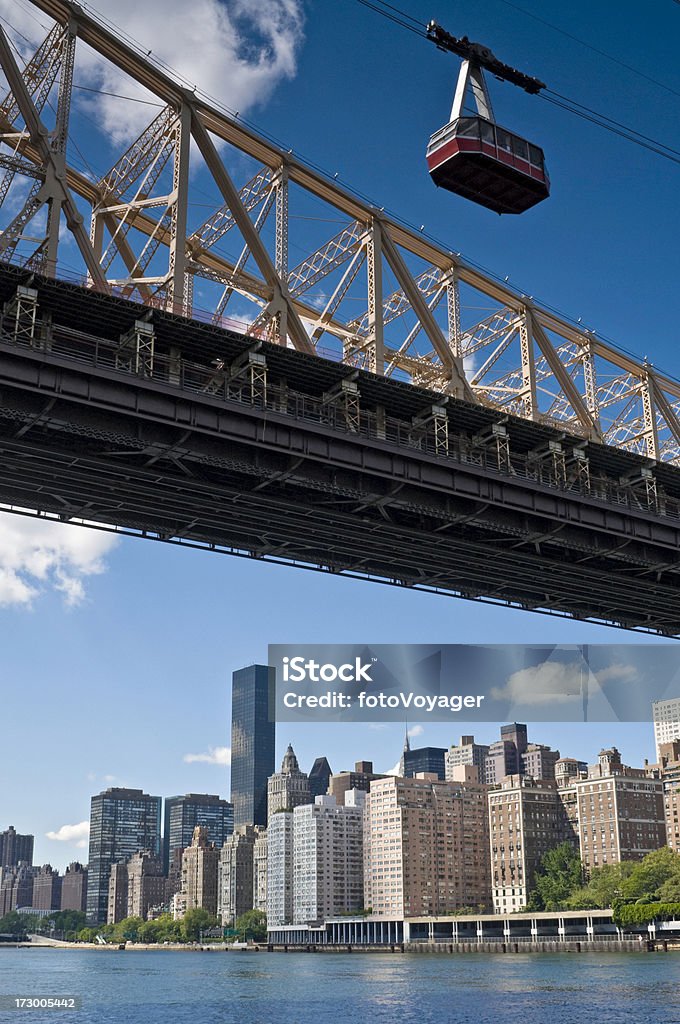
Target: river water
pixel 296 988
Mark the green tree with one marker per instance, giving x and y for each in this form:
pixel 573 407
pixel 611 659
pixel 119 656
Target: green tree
pixel 15 924
pixel 196 921
pixel 559 875
pixel 66 920
pixel 149 932
pixel 669 892
pixel 87 934
pixel 127 930
pixel 169 930
pixel 603 888
pixel 649 875
pixel 253 925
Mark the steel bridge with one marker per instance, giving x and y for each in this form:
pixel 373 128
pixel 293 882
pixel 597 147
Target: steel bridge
pixel 517 458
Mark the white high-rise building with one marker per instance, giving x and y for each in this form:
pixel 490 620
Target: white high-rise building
pixel 666 715
pixel 280 869
pixel 328 858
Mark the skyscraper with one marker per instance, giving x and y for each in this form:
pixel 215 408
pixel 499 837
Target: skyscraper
pixel 525 821
pixel 669 769
pixel 467 752
pixel 506 754
pixel 252 743
pixel 620 811
pixel 666 714
pixel 74 887
pixel 146 884
pixel 199 873
pixel 426 845
pixel 288 788
pixel 361 778
pixel 182 815
pixel 15 848
pixel 319 777
pixel 235 874
pixel 516 734
pixel 280 869
pixel 424 759
pixel 122 822
pixel 46 889
pixel 16 888
pixel 539 760
pixel 328 858
pixel 260 872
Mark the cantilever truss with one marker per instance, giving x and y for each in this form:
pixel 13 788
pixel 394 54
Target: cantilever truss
pixel 375 295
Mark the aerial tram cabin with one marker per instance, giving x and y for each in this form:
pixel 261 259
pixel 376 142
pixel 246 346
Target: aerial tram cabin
pixel 472 155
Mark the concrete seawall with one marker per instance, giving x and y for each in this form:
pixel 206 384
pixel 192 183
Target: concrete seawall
pixel 508 948
pixel 434 948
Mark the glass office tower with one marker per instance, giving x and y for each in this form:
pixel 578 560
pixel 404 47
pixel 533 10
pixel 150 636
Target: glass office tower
pixel 184 813
pixel 252 743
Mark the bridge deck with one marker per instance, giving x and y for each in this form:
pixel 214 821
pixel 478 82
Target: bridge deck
pixel 273 459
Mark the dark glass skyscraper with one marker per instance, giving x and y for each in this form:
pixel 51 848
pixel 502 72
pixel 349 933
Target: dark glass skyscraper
pixel 122 821
pixel 424 759
pixel 184 813
pixel 252 743
pixel 319 777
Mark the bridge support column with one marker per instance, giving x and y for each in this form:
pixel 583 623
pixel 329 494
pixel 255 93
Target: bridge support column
pixel 495 441
pixel 251 367
pixel 345 397
pixel 579 468
pixel 552 456
pixel 643 486
pixel 433 420
pixel 136 349
pixel 20 315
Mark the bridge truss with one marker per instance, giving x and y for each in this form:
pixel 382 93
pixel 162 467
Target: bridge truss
pixel 375 296
pixel 377 409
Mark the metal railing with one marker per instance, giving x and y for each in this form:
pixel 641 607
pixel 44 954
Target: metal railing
pixel 218 383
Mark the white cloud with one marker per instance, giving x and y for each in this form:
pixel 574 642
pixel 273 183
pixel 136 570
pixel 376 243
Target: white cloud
pixel 37 555
pixel 557 682
pixel 552 682
pixel 394 771
pixel 624 673
pixel 215 755
pixel 415 730
pixel 76 834
pixel 235 52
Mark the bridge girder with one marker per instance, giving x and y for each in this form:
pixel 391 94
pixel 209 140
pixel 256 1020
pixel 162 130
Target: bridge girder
pixel 180 431
pixel 518 358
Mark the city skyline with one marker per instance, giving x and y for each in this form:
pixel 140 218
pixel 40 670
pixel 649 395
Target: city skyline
pixel 93 625
pixel 595 737
pixel 478 818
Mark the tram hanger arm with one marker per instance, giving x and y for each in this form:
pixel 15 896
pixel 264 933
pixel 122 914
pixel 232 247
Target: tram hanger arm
pixel 482 57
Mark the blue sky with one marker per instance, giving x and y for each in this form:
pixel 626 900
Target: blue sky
pixel 117 656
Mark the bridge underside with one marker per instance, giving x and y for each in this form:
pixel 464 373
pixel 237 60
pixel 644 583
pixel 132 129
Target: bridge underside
pixel 190 433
